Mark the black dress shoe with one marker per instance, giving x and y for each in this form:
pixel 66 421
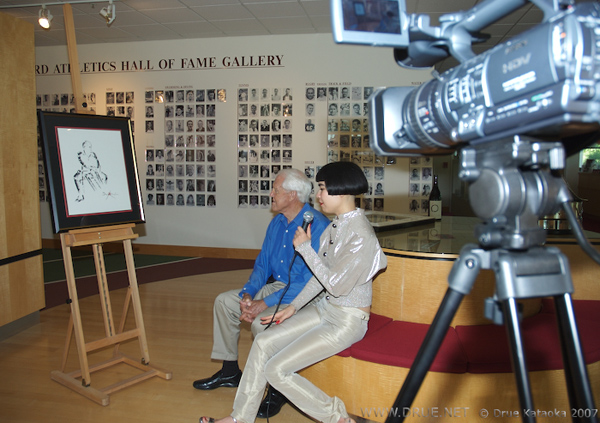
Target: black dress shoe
pixel 272 404
pixel 218 380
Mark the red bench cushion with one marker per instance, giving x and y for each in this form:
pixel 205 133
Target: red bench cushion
pixel 376 322
pixel 487 349
pixel 397 344
pixel 483 348
pixel 584 309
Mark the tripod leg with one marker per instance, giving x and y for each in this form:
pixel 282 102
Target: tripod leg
pixel 578 384
pixel 511 317
pixel 427 352
pixel 461 280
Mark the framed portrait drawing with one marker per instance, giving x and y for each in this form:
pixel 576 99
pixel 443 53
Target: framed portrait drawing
pixel 91 168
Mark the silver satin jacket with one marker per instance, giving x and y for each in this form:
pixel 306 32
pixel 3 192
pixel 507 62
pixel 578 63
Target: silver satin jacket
pixel 349 257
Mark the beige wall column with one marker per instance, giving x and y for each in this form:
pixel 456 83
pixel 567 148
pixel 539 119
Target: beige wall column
pixel 21 272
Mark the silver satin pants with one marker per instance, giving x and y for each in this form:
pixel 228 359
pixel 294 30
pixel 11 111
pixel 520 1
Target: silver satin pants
pixel 316 332
pixel 226 321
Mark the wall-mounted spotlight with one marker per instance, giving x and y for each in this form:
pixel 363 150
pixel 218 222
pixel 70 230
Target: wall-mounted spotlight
pixel 108 12
pixel 45 17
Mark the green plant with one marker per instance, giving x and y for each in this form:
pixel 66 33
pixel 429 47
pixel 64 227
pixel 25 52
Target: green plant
pixel 592 153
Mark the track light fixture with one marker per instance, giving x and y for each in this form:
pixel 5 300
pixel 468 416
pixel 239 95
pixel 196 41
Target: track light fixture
pixel 45 17
pixel 108 12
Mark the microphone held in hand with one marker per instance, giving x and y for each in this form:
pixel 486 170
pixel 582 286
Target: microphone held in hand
pixel 308 217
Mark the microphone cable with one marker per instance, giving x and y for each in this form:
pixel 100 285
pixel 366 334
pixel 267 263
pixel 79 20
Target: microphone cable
pixel 273 318
pixel 285 290
pixel 307 217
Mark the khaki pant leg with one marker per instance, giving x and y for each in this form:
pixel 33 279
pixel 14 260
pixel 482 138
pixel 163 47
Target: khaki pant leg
pixel 226 321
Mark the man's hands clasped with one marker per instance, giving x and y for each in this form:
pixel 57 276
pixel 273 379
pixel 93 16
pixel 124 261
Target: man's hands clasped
pixel 251 308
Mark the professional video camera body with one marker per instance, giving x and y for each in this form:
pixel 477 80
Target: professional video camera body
pixel 514 112
pixel 544 82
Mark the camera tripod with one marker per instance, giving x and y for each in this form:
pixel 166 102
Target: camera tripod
pixel 512 184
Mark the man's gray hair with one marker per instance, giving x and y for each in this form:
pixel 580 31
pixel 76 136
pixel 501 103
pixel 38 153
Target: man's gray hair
pixel 295 180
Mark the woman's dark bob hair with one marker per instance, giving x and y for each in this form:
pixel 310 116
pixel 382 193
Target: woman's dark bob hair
pixel 343 178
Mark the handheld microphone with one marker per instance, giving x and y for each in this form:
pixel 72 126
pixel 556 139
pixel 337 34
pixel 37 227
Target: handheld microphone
pixel 308 217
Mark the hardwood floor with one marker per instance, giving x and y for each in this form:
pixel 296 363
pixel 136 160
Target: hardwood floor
pixel 178 321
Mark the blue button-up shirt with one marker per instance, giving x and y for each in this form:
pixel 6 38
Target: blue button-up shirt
pixel 277 253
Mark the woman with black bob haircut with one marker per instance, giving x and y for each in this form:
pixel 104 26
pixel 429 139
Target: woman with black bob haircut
pixel 307 332
pixel 343 178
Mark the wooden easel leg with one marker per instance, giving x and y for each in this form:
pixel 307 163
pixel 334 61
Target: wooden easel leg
pixel 75 313
pixel 104 292
pixel 67 343
pixel 136 302
pixel 123 316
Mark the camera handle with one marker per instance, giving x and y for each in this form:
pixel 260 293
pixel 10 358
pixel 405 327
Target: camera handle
pixel 520 175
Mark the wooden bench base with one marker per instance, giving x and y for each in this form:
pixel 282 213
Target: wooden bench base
pixel 370 389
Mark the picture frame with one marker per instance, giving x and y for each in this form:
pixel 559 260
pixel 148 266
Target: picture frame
pixel 91 168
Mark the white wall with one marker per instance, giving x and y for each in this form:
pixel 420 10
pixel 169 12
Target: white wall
pixel 307 59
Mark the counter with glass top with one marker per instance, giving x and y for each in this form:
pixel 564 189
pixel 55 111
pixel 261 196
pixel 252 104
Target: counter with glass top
pixel 420 258
pixel 449 235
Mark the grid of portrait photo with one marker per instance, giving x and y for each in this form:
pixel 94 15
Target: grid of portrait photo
pixel 314 96
pixel 120 104
pixel 348 138
pixel 61 103
pixel 183 172
pixel 420 184
pixel 264 143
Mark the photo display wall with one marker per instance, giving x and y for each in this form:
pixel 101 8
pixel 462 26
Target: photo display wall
pixel 120 103
pixel 348 138
pixel 420 184
pixel 182 171
pixel 314 106
pixel 265 141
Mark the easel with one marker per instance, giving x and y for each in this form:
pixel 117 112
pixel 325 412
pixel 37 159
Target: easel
pixel 80 380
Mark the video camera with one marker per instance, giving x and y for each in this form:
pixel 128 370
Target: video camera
pixel 543 83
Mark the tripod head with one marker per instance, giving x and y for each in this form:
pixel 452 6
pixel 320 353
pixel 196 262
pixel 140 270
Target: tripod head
pixel 512 183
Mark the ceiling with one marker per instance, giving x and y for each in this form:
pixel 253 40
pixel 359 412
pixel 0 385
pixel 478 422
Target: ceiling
pixel 150 20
